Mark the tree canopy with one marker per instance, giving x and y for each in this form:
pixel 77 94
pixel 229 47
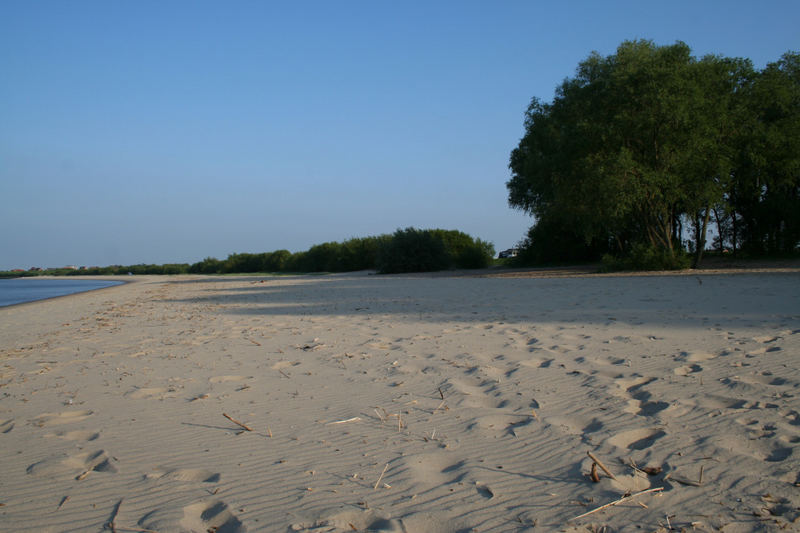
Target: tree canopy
pixel 643 145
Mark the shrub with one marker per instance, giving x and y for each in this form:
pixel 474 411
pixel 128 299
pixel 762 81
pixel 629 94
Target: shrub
pixel 646 257
pixel 209 265
pixel 412 250
pixel 463 251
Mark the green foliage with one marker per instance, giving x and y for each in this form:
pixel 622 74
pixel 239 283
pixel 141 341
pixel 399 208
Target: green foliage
pixel 551 242
pixel 412 250
pixel 643 141
pixel 209 265
pixel 645 257
pixel 407 250
pixel 463 251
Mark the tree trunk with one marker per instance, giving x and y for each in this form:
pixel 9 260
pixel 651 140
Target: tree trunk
pixel 701 239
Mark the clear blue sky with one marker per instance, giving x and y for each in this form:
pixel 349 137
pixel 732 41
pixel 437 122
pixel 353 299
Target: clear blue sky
pixel 168 131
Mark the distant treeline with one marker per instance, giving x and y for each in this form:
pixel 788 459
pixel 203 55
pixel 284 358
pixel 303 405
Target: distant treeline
pixel 407 250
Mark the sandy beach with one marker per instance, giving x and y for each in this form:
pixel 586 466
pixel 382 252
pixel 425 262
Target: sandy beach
pixel 417 404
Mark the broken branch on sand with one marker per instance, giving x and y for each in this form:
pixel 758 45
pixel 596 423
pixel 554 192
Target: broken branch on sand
pixel 601 465
pixel 243 426
pixel 111 524
pixel 63 501
pixel 617 502
pixel 381 477
pixel 354 419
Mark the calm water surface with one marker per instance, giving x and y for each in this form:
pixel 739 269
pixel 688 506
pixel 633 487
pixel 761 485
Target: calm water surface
pixel 21 290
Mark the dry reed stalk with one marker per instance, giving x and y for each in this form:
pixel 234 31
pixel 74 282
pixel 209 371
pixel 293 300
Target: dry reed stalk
pixel 63 501
pixel 114 517
pixel 254 342
pixel 83 476
pixel 354 419
pixel 617 502
pixel 439 407
pixel 381 477
pixel 602 466
pixel 284 374
pixel 243 426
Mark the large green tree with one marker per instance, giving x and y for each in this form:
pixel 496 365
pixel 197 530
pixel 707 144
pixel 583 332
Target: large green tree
pixel 764 196
pixel 631 144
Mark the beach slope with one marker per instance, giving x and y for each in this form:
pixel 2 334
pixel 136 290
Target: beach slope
pixel 405 403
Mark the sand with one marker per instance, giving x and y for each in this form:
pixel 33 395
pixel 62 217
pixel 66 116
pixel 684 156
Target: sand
pixel 404 403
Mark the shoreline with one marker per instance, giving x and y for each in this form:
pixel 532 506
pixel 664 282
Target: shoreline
pixel 61 278
pixel 425 404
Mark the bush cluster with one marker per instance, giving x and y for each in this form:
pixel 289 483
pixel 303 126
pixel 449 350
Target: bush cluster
pixel 413 250
pixel 646 257
pixel 407 250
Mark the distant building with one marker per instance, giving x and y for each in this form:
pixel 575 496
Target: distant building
pixel 511 252
pixel 35 269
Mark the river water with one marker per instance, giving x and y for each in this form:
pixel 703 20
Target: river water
pixel 21 290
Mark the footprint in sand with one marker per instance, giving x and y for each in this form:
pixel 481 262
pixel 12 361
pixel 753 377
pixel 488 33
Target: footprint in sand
pixel 484 490
pixel 470 395
pixel 78 435
pixel 427 523
pixel 646 407
pixel 280 365
pixel 184 474
pixel 65 417
pixel 636 439
pixel 349 520
pixel 506 424
pixel 687 370
pixel 695 357
pixel 226 379
pixel 762 448
pixel 766 339
pixel 141 393
pixel 83 463
pixel 428 470
pixel 211 516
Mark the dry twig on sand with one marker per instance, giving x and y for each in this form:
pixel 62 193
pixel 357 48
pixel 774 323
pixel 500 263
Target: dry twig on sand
pixel 354 419
pixel 617 502
pixel 381 477
pixel 243 426
pixel 601 465
pixel 111 524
